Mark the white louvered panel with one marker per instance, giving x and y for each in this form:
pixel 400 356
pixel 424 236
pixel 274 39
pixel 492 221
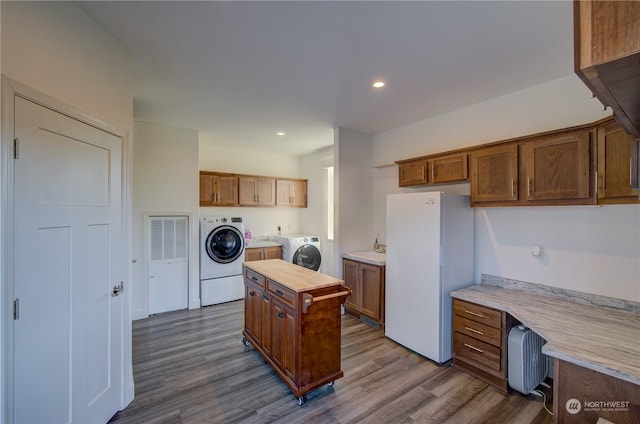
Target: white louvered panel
pixel 156 239
pixel 169 238
pixel 181 238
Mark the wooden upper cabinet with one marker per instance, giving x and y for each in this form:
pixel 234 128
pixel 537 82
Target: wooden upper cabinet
pixel 433 170
pixel 257 191
pixel 218 189
pixel 449 168
pixel 617 166
pixel 291 193
pixel 494 174
pixel 607 55
pixel 412 173
pixel 558 168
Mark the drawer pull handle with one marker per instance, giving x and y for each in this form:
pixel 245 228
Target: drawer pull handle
pixel 474 348
pixel 254 278
pixel 279 292
pixel 473 330
pixel 265 297
pixel 474 314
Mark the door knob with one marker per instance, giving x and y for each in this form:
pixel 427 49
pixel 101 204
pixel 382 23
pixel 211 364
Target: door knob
pixel 117 289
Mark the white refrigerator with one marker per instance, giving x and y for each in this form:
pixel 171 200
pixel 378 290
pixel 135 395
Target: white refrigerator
pixel 429 254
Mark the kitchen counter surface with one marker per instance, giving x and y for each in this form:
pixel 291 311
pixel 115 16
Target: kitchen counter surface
pixel 257 244
pixel 369 257
pixel 295 277
pixel 599 338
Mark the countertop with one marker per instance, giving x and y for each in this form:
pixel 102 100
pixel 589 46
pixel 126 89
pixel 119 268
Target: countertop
pixel 370 257
pixel 256 244
pixel 295 277
pixel 599 338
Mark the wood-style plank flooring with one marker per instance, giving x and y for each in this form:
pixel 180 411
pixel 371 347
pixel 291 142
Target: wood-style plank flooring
pixel 191 367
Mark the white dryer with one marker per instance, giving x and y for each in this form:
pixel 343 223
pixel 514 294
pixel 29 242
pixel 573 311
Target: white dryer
pixel 221 258
pixel 301 249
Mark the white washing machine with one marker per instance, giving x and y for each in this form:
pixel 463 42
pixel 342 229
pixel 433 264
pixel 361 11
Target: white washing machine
pixel 301 249
pixel 221 258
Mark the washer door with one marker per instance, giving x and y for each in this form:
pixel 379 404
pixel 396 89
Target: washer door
pixel 307 256
pixel 225 244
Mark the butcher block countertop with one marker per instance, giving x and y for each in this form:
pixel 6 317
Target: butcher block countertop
pixel 600 338
pixel 297 278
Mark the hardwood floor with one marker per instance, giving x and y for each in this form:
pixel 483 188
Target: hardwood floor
pixel 191 367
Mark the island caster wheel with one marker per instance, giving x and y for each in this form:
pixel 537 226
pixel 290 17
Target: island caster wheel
pixel 245 341
pixel 331 384
pixel 302 400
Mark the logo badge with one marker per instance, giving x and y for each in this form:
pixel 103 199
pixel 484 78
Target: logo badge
pixel 573 406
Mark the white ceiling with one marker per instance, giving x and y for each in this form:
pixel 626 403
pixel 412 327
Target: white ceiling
pixel 242 71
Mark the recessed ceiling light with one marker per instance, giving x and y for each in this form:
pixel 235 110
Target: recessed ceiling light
pixel 280 133
pixel 378 84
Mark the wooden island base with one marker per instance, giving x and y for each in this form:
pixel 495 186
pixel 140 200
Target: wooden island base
pixel 292 318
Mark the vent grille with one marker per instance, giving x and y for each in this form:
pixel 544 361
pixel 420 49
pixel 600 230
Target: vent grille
pixel 527 364
pixel 168 238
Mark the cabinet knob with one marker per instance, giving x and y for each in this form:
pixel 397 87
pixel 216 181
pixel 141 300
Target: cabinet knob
pixel 281 315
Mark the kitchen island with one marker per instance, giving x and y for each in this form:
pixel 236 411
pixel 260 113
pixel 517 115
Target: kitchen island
pixel 292 318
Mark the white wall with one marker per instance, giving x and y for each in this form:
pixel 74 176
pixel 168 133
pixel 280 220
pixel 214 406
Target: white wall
pixel 55 48
pixel 165 181
pixel 353 194
pixel 313 219
pixel 262 222
pixel 590 249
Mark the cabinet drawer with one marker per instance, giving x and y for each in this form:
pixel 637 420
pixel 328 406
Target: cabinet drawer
pixel 477 313
pixel 281 292
pixel 254 277
pixel 477 330
pixel 472 349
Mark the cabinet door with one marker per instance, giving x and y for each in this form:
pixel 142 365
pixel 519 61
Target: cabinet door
pixel 412 173
pixel 254 191
pixel 448 168
pixel 291 193
pixel 253 312
pixel 274 252
pixel 206 189
pixel 266 191
pixel 350 274
pixel 494 174
pixel 283 338
pixel 558 167
pixel 265 310
pixel 227 190
pixel 253 254
pixel 371 290
pixel 617 164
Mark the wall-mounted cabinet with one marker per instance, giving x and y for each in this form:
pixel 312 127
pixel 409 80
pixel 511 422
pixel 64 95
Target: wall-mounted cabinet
pixel 617 166
pixel 257 191
pixel 494 174
pixel 218 189
pixel 607 56
pixel 221 189
pixel 545 170
pixel 292 193
pixel 433 170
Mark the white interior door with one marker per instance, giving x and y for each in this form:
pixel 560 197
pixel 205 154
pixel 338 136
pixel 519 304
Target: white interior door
pixel 168 263
pixel 68 345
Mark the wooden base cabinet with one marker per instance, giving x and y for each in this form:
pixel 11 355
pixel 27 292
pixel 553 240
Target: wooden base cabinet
pixel 367 291
pixel 297 332
pixel 582 396
pixel 480 341
pixel 262 253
